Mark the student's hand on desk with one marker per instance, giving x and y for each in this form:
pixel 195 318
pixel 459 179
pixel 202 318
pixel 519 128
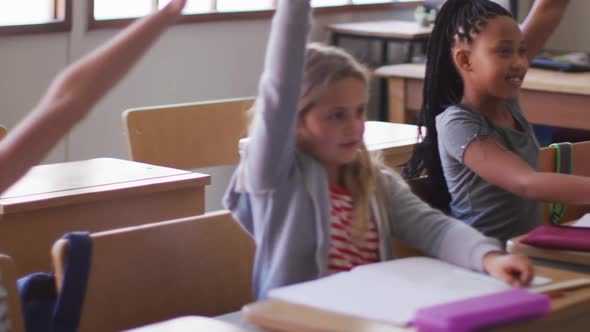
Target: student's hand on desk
pixel 514 270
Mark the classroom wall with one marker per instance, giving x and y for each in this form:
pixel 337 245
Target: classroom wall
pixel 27 64
pixel 571 33
pixel 192 62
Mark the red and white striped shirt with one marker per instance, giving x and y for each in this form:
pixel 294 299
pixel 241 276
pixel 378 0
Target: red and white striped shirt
pixel 344 253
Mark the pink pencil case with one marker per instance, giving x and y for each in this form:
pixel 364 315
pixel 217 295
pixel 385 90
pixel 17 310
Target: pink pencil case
pixel 482 312
pixel 559 237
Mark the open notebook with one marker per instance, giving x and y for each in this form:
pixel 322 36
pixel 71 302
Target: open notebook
pixel 391 292
pixel 583 222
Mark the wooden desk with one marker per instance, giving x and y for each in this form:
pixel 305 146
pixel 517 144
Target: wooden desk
pixel 569 313
pixel 567 256
pixel 395 141
pixel 547 97
pixel 409 32
pixel 384 32
pixel 190 324
pixel 90 195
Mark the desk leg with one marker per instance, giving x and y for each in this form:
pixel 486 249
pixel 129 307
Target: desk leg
pixel 384 113
pixel 397 100
pixel 514 9
pixel 334 39
pixel 383 92
pixel 424 47
pixel 410 53
pixel 384 52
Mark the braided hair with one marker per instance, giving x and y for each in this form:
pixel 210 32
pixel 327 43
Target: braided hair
pixel 457 21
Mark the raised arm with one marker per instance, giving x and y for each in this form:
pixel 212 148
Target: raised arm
pixel 75 91
pixel 540 23
pixel 271 149
pixel 485 157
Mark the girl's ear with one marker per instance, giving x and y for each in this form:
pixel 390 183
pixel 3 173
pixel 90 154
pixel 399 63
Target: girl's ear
pixel 462 58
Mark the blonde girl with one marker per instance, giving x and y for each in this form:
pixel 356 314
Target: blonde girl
pixel 306 188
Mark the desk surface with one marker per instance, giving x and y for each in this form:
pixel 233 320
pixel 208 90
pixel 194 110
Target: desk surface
pixel 60 184
pixel 567 256
pixel 536 79
pixel 409 30
pixel 190 324
pixel 91 195
pixel 386 135
pixel 569 312
pixel 394 141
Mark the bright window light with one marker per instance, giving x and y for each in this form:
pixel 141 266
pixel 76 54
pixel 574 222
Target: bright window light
pixel 23 12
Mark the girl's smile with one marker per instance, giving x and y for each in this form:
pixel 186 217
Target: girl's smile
pixel 516 80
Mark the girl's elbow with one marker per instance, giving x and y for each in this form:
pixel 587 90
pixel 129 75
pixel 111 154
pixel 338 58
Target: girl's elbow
pixel 525 187
pixel 67 94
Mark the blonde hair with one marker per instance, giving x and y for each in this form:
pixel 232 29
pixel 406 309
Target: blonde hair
pixel 324 66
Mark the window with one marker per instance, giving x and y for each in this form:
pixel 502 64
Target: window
pixel 328 3
pixel 233 5
pixel 115 9
pixel 34 16
pixel 109 13
pixel 27 12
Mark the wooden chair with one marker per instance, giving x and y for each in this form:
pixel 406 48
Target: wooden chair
pixel 581 166
pixel 12 297
pixel 140 275
pixel 202 136
pixel 2 132
pixel 188 136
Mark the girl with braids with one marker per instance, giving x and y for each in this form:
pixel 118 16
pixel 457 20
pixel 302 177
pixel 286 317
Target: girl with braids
pixel 75 91
pixel 306 188
pixel 480 152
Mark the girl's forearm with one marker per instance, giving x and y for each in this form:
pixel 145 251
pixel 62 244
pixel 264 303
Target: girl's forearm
pixel 555 187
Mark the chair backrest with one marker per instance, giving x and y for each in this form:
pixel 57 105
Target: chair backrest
pixel 12 301
pixel 188 136
pixel 139 275
pixel 2 132
pixel 581 166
